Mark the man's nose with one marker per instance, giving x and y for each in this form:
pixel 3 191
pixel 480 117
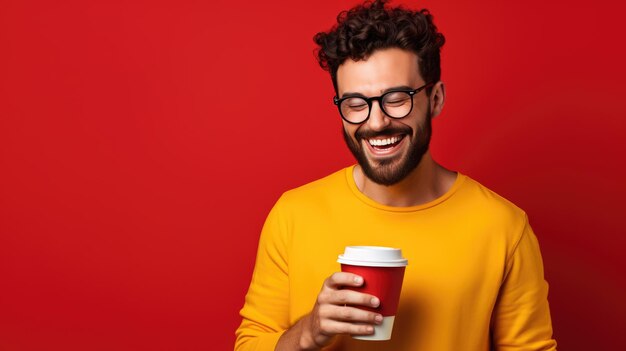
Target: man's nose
pixel 378 120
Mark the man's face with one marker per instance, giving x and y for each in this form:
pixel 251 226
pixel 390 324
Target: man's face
pixel 387 149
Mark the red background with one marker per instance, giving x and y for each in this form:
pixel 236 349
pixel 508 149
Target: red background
pixel 142 143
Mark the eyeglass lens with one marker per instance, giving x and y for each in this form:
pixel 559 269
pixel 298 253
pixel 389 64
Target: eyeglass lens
pixel 395 104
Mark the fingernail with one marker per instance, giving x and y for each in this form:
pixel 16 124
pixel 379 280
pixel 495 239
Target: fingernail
pixel 378 318
pixel 358 280
pixel 370 329
pixel 375 301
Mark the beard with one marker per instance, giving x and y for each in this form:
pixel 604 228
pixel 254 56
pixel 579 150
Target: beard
pixel 391 171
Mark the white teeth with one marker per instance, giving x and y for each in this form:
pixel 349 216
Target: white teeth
pixel 384 142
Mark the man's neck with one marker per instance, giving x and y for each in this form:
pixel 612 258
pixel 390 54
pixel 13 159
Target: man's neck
pixel 427 182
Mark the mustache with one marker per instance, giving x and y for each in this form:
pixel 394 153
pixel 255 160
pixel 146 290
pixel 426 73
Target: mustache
pixel 368 134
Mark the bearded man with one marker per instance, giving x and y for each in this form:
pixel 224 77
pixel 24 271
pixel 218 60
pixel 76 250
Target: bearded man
pixel 475 279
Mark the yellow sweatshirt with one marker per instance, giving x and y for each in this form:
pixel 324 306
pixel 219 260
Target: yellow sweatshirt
pixel 474 280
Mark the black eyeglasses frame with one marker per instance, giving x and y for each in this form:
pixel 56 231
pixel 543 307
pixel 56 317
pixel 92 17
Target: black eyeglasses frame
pixel 379 98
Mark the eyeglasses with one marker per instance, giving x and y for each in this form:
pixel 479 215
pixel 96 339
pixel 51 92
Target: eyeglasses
pixel 395 104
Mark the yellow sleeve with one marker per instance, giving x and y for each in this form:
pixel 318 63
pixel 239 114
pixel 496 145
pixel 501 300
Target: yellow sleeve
pixel 265 312
pixel 521 317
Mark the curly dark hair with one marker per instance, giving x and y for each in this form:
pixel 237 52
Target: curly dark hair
pixel 373 26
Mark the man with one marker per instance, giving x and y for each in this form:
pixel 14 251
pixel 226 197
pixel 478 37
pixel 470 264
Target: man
pixel 475 276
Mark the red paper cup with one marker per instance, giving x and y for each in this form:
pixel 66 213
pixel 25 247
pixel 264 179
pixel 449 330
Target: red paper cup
pixel 382 269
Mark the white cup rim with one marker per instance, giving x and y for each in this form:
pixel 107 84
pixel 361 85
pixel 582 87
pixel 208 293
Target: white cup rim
pixel 372 256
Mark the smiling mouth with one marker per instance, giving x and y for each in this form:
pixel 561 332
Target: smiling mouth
pixel 385 143
pixel 383 146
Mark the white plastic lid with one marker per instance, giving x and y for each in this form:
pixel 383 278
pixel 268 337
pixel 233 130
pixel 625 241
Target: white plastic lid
pixel 372 256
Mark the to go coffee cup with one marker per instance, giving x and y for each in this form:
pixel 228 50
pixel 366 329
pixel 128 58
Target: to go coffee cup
pixel 382 269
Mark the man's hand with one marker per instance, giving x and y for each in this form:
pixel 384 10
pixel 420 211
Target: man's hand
pixel 334 313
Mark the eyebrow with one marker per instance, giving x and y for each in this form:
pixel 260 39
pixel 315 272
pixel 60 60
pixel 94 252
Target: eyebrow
pixel 354 94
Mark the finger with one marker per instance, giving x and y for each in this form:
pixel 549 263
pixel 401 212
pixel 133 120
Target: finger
pixel 349 297
pixel 339 279
pixel 349 314
pixel 332 327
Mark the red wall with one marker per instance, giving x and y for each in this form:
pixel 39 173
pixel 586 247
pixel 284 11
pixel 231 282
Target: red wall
pixel 142 144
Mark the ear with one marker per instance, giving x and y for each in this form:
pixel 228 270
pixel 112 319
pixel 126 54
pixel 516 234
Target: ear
pixel 437 99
